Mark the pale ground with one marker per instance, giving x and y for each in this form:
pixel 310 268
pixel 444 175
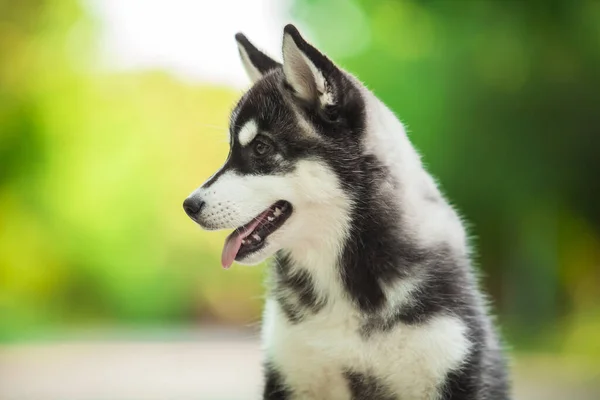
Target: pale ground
pixel 207 365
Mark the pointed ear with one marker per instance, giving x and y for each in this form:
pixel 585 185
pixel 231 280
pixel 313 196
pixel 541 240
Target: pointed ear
pixel 256 63
pixel 310 74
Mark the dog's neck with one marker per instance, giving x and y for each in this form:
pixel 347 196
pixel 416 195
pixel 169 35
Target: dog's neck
pixel 346 253
pixel 426 215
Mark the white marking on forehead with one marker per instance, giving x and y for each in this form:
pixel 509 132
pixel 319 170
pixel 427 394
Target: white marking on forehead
pixel 248 132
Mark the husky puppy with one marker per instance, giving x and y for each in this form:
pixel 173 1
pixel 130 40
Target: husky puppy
pixel 371 292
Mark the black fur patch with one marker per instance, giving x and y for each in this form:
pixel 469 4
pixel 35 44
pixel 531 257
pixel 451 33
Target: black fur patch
pixel 365 386
pixel 294 290
pixel 463 384
pixel 481 376
pixel 275 387
pixel 442 290
pixel 377 251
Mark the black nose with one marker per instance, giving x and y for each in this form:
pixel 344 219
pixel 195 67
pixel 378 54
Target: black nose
pixel 192 206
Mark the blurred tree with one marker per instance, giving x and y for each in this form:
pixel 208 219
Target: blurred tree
pixel 33 63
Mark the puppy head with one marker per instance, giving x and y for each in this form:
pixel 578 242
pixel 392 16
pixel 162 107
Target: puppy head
pixel 295 154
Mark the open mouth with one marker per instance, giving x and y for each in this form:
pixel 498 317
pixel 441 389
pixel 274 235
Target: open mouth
pixel 251 237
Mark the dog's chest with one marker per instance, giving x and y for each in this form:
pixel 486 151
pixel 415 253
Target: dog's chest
pixel 318 355
pixel 314 353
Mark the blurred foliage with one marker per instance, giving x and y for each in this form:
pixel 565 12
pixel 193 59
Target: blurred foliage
pixel 500 97
pixel 93 171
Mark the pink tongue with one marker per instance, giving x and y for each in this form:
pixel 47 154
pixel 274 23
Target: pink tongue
pixel 234 242
pixel 230 249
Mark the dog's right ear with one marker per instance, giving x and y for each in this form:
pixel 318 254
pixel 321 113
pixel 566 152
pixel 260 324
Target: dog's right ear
pixel 256 63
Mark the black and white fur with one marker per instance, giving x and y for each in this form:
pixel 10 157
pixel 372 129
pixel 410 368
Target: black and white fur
pixel 372 295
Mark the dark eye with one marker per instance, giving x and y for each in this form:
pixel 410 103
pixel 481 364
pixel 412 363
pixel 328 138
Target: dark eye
pixel 261 148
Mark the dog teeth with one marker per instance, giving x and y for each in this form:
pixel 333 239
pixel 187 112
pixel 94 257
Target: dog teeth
pixel 270 219
pixel 277 212
pixel 244 241
pixel 256 237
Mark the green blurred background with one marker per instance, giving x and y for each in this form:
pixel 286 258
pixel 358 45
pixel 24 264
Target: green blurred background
pixel 502 99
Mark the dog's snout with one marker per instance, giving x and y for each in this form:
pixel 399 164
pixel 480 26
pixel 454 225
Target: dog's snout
pixel 193 206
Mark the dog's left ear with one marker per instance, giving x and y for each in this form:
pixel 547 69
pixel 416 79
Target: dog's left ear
pixel 311 75
pixel 256 63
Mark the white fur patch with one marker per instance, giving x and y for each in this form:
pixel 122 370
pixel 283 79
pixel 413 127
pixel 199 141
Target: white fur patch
pixel 248 132
pixel 411 360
